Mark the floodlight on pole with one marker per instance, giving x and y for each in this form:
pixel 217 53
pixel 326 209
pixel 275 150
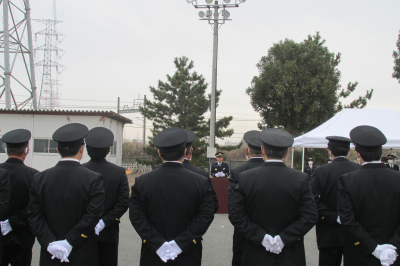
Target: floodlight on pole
pixel 212 15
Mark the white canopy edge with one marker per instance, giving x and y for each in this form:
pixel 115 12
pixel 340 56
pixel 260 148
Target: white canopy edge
pixel 386 120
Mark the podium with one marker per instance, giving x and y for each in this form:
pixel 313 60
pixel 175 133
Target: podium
pixel 221 189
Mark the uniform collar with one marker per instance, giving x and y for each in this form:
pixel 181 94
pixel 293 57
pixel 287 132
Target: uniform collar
pixel 256 159
pixel 69 160
pixel 14 160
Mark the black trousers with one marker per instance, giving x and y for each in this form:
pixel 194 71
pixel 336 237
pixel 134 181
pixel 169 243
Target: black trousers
pixel 108 254
pixel 237 259
pixel 16 256
pixel 330 256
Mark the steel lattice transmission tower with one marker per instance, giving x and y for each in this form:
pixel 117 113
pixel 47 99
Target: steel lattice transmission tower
pixel 19 86
pixel 49 95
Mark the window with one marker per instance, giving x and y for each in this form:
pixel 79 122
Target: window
pixel 2 146
pixel 114 149
pixel 44 146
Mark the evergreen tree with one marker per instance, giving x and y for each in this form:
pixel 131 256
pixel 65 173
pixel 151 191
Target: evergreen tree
pixel 298 87
pixel 182 102
pixel 396 56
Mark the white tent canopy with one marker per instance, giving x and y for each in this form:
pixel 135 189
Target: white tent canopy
pixel 386 120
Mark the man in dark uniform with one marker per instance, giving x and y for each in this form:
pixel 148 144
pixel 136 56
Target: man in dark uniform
pixel 310 168
pixel 384 160
pixel 272 206
pixel 4 200
pixel 18 238
pixel 66 203
pixel 324 185
pixel 186 163
pixel 219 168
pixel 391 164
pixel 116 189
pixel 369 204
pixel 254 155
pixel 171 206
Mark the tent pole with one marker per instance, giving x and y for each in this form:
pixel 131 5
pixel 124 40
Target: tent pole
pixel 292 156
pixel 302 161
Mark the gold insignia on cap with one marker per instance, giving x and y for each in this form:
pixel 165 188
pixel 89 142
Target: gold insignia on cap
pixel 82 235
pixel 117 219
pixel 194 241
pixel 144 240
pixel 323 217
pixel 358 243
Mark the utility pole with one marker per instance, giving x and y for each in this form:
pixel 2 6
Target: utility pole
pixel 144 123
pixel 118 106
pixel 135 109
pixel 212 15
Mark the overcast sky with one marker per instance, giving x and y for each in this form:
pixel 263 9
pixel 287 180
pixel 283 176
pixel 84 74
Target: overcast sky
pixel 119 48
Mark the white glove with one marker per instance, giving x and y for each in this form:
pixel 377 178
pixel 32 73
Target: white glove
pixel 99 227
pixel 164 252
pixel 175 250
pixel 388 257
pixel 268 242
pixel 60 250
pixel 5 227
pixel 338 220
pixel 279 244
pixel 380 248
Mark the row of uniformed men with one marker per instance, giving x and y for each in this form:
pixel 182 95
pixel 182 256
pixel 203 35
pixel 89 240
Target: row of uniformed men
pixel 171 207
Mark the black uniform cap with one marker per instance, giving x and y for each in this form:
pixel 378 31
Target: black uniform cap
pixel 191 137
pixel 171 139
pixel 338 141
pixel 100 137
pixel 276 139
pixel 17 138
pixel 384 159
pixel 252 139
pixel 219 154
pixel 71 135
pixel 391 156
pixel 310 159
pixel 367 138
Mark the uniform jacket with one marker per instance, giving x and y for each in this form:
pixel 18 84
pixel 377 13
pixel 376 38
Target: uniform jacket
pixel 116 203
pixel 223 168
pixel 21 177
pixel 171 203
pixel 276 200
pixel 395 167
pixel 238 238
pixel 324 186
pixel 67 202
pixel 4 199
pixel 368 206
pixel 188 165
pixel 309 171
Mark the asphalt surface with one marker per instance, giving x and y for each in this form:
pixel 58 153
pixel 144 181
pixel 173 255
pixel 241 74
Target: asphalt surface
pixel 217 244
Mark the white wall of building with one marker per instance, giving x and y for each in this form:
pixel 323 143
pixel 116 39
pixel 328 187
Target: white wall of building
pixel 43 126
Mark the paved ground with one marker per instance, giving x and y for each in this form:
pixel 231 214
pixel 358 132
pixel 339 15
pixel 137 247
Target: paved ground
pixel 217 244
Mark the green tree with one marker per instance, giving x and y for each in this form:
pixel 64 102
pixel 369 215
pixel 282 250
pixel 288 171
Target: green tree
pixel 182 102
pixel 298 86
pixel 396 55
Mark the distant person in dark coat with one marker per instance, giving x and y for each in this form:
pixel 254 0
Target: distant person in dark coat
pixel 255 159
pixel 309 168
pixel 272 206
pixel 186 163
pixel 18 238
pixel 324 185
pixel 219 168
pixel 66 203
pixel 369 204
pixel 384 160
pixel 4 200
pixel 116 189
pixel 171 207
pixel 391 164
